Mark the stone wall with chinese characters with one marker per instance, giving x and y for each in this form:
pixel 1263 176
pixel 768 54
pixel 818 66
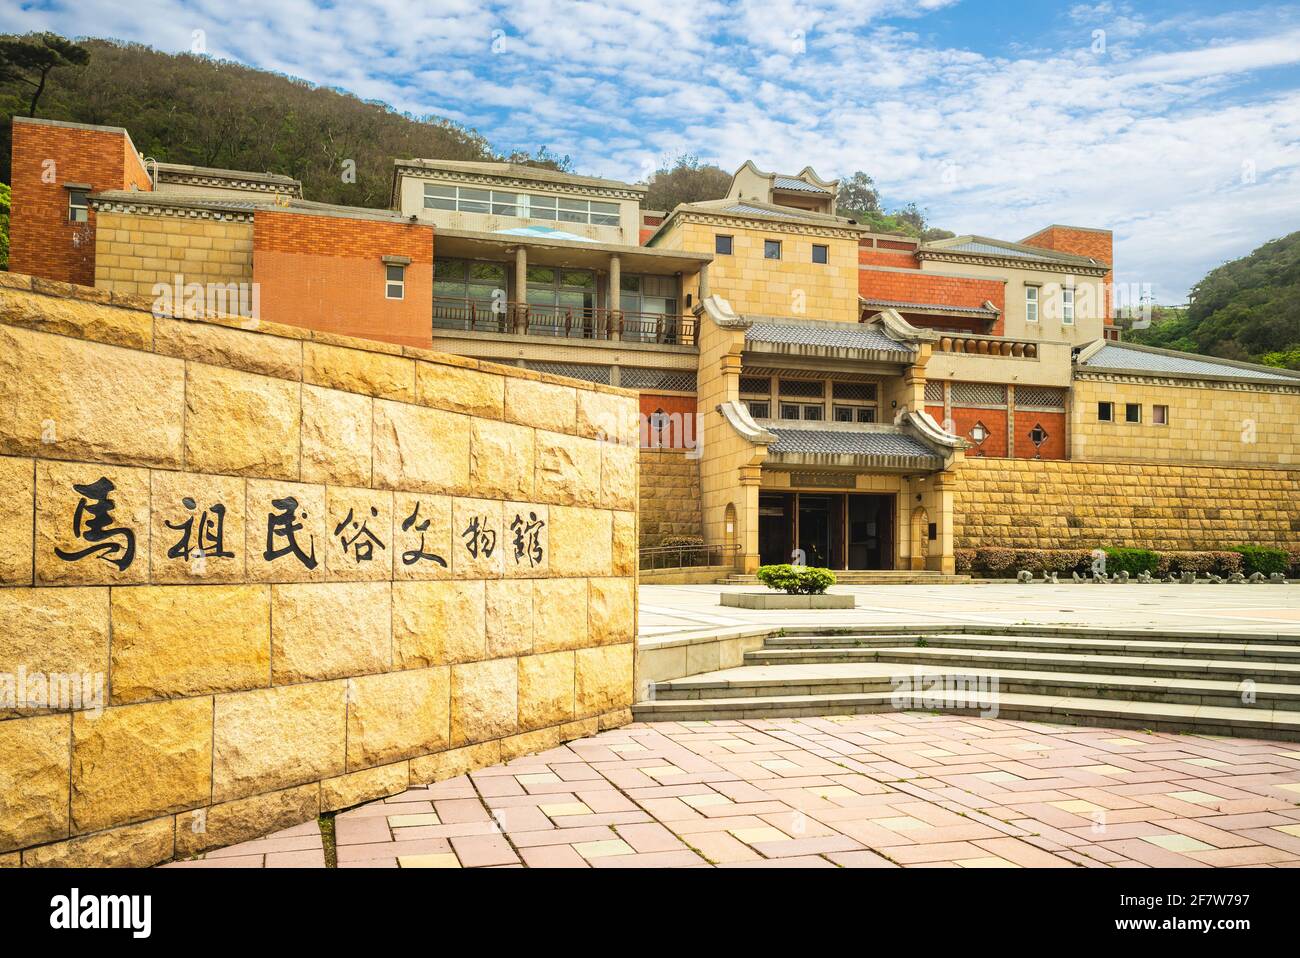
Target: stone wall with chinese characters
pixel 250 574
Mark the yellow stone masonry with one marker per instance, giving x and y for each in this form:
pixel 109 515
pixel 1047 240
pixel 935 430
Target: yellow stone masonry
pixel 300 571
pixel 1030 504
pixel 133 252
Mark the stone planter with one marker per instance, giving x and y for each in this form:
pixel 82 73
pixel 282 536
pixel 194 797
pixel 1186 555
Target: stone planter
pixel 780 600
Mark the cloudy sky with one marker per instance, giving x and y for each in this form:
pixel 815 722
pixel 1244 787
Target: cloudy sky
pixel 1176 124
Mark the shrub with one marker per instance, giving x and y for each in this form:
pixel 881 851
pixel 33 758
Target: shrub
pixel 1131 561
pixel 964 559
pixel 1265 559
pixel 1294 570
pixel 996 561
pixel 680 541
pixel 796 580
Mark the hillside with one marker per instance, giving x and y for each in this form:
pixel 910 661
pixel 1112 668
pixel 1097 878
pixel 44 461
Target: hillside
pixel 1247 309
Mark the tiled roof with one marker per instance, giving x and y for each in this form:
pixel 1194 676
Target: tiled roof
pixel 744 209
pixel 1115 356
pixel 847 443
pixel 832 335
pixel 994 250
pixel 945 307
pixel 794 183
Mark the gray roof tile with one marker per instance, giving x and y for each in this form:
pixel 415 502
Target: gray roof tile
pixel 794 183
pixel 833 335
pixel 847 443
pixel 1112 356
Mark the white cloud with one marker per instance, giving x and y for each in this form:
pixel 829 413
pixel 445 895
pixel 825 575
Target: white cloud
pixel 1147 136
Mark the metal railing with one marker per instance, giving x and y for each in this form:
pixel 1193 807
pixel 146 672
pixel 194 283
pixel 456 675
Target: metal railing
pixel 567 322
pixel 687 557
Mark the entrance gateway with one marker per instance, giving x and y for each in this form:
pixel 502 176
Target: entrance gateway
pixel 835 530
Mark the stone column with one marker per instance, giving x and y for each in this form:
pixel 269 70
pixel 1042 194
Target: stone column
pixel 615 295
pixel 521 288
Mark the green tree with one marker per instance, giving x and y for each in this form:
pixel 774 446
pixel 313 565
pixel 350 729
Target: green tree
pixel 4 226
pixel 29 61
pixel 686 180
pixel 858 196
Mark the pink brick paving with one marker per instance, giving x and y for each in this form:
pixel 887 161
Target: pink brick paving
pixel 873 791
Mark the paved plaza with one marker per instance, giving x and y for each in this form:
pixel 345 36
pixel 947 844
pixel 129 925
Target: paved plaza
pixel 670 611
pixel 877 791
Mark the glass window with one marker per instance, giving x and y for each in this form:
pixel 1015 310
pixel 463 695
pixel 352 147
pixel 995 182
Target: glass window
pixel 814 413
pixel 1133 412
pixel 759 410
pixel 579 278
pixel 1067 306
pixel 573 211
pixel 843 413
pixel 541 274
pixel 1160 415
pixel 789 411
pixel 394 282
pixel 1031 304
pixel 438 197
pixel 1038 435
pixel 722 245
pixel 474 201
pixel 820 253
pixel 505 204
pixel 604 214
pixel 866 414
pixel 1105 412
pixel 78 206
pixel 541 207
pixel 771 249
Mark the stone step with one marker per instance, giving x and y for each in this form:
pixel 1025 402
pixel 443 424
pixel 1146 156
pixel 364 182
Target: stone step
pixel 862 678
pixel 873 635
pixel 1120 713
pixel 1162 648
pixel 1225 670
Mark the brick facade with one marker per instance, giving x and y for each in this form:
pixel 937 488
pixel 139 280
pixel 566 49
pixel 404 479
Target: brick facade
pixel 46 156
pixel 325 272
pixel 1099 244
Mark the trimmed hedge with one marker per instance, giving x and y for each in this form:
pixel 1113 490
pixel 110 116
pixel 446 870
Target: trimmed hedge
pixel 680 541
pixel 1265 559
pixel 796 580
pixel 1132 561
pixel 1005 563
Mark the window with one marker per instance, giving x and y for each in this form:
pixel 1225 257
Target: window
pixel 771 249
pixel 1067 306
pixel 78 207
pixel 979 433
pixel 1105 412
pixel 866 414
pixel 480 283
pixel 820 253
pixel 1160 415
pixel 759 410
pixel 1038 435
pixel 853 402
pixel 722 245
pixel 789 410
pixel 843 413
pixel 1031 304
pixel 467 199
pixel 1133 412
pixel 814 413
pixel 394 282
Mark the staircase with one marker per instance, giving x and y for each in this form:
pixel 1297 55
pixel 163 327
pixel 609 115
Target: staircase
pixel 1243 685
pixel 870 577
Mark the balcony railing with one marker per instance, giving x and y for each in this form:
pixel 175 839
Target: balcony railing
pixel 571 322
pixel 986 346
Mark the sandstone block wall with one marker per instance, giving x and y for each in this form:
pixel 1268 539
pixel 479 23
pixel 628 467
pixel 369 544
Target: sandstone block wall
pixel 302 571
pixel 1038 504
pixel 670 495
pixel 134 252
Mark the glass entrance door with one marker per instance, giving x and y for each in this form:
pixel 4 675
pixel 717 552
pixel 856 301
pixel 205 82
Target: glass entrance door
pixel 834 530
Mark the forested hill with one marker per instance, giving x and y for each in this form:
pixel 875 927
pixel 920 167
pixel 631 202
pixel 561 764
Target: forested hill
pixel 192 109
pixel 1247 309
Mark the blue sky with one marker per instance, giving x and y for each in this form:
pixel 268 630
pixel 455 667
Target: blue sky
pixel 1177 125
